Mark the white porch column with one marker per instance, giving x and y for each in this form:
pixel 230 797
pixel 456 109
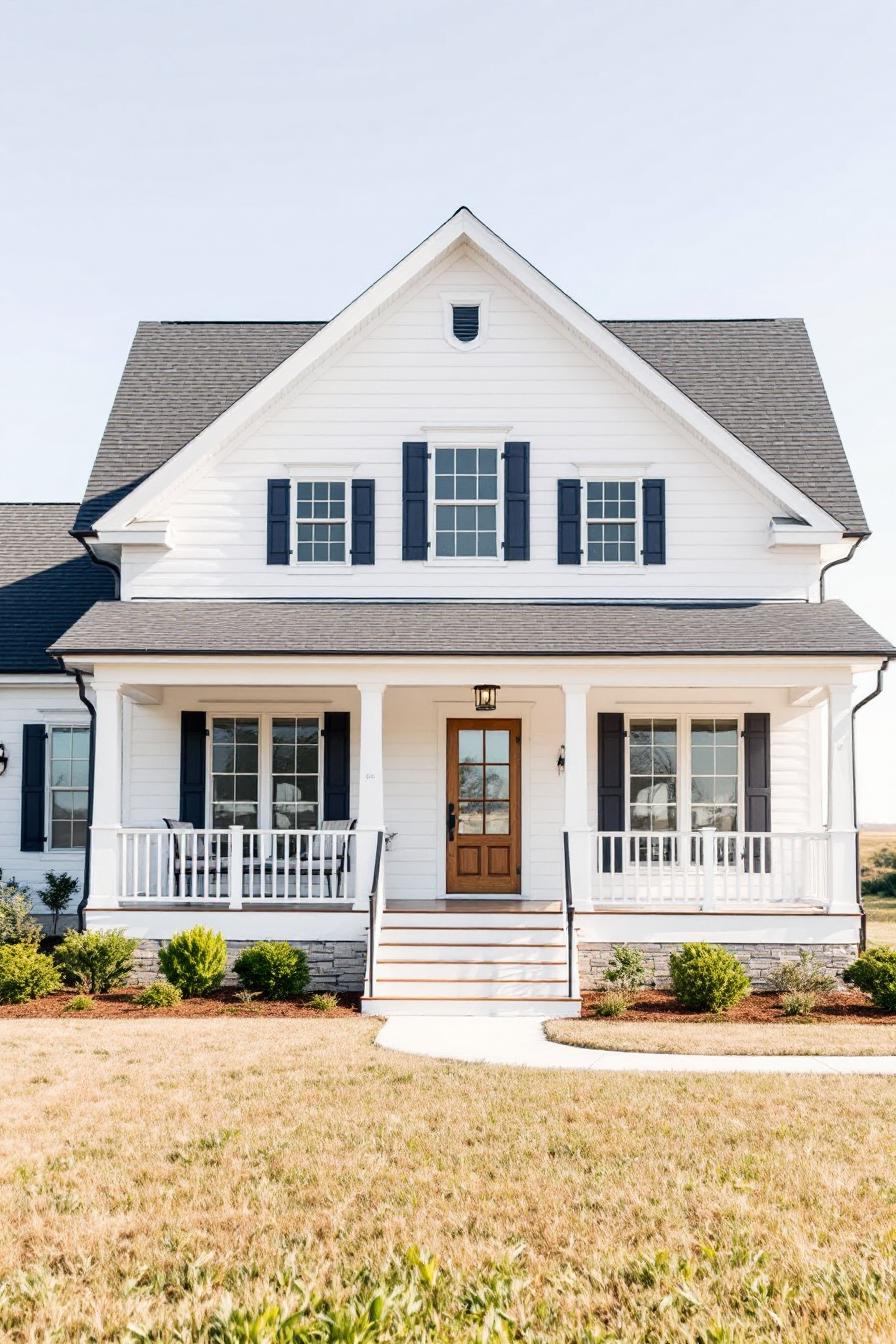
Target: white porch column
pixel 575 791
pixel 371 799
pixel 841 799
pixel 104 839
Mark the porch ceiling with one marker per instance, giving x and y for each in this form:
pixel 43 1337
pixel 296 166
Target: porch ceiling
pixel 494 629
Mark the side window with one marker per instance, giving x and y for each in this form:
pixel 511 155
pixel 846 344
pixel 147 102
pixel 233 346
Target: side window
pixel 69 750
pixel 466 502
pixel 234 772
pixel 321 519
pixel 714 774
pixel 611 521
pixel 295 773
pixel 653 774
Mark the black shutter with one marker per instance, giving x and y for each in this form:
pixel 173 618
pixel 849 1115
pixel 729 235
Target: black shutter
pixel 611 786
pixel 569 522
pixel 34 778
pixel 363 523
pixel 757 772
pixel 654 523
pixel 414 505
pixel 192 767
pixel 516 501
pixel 278 525
pixel 336 766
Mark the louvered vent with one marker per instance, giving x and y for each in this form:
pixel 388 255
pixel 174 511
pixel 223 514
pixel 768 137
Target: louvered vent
pixel 465 322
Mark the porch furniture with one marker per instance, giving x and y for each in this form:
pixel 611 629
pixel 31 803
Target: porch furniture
pixel 331 858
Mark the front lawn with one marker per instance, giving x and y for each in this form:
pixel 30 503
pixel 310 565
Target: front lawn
pixel 727 1037
pixel 165 1174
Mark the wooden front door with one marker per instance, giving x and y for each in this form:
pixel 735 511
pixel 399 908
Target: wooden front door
pixel 483 813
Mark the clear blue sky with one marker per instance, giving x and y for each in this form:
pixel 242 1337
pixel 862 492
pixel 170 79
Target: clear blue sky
pixel 656 158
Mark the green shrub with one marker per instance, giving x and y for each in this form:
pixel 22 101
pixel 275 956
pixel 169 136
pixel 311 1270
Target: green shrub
pixel 874 972
pixel 79 1003
pixel 194 961
pixel 26 973
pixel 56 894
pixel 612 1004
pixel 626 971
pixel 273 970
pixel 707 978
pixel 883 884
pixel 883 858
pixel 323 1003
pixel 96 961
pixel 17 924
pixel 797 1003
pixel 805 976
pixel 160 994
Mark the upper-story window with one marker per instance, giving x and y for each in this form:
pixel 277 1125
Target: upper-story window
pixel 466 502
pixel 321 520
pixel 611 520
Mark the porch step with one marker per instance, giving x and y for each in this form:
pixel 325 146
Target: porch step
pixel 492 972
pixel 540 952
pixel 474 919
pixel 434 1006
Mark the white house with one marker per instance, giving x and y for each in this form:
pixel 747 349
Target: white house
pixel 465 635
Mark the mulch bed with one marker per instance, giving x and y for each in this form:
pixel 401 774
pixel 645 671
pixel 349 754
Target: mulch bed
pixel 225 1003
pixel 656 1005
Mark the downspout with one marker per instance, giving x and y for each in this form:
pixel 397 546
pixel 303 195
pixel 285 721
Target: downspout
pixel 832 564
pixel 91 710
pixel 872 695
pixel 116 572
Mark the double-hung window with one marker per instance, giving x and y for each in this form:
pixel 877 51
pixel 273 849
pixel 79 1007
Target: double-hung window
pixel 714 773
pixel 466 502
pixel 235 772
pixel 265 771
pixel 69 751
pixel 295 773
pixel 611 522
pixel 321 520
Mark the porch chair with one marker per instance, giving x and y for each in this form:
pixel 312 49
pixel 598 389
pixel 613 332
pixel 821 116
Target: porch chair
pixel 185 860
pixel 336 855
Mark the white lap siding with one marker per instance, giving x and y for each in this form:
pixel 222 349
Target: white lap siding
pixel 531 380
pixel 41 700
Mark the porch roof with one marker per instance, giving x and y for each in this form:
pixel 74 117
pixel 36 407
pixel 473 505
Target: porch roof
pixel 514 629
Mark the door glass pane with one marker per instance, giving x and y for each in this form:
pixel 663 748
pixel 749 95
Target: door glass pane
pixel 469 744
pixel 497 781
pixel 497 818
pixel 469 818
pixel 497 745
pixel 470 781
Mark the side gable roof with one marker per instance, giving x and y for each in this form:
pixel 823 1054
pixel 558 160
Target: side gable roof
pixel 47 581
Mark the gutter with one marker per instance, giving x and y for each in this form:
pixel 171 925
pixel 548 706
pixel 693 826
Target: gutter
pixel 872 695
pixel 844 559
pixel 91 710
pixel 104 564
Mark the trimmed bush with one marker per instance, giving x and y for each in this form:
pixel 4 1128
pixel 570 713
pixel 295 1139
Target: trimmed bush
pixel 883 884
pixel 707 978
pixel 26 974
pixel 797 1003
pixel 17 924
pixel 160 994
pixel 874 972
pixel 806 976
pixel 194 961
pixel 323 1003
pixel 612 1004
pixel 80 1003
pixel 626 971
pixel 273 970
pixel 96 961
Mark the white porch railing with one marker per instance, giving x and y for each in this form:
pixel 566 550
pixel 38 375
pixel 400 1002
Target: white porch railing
pixel 709 869
pixel 234 866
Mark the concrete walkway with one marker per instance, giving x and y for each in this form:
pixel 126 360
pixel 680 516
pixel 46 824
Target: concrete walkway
pixel 521 1041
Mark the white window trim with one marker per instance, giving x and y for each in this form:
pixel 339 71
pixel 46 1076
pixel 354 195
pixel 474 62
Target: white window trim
pixel 49 848
pixel 615 566
pixel 265 720
pixel 318 477
pixel 683 774
pixel 479 298
pixel 465 561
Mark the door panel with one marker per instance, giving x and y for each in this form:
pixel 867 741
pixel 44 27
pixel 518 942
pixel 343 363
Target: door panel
pixel 483 818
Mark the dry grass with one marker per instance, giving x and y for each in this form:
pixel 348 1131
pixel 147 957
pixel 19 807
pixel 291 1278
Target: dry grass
pixel 157 1173
pixel 727 1038
pixel 880 910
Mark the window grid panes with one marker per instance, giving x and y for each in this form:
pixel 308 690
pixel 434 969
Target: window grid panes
pixel 653 774
pixel 714 773
pixel 234 772
pixel 466 491
pixel 320 522
pixel 483 790
pixel 69 775
pixel 295 773
pixel 611 521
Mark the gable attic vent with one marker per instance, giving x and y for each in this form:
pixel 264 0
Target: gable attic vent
pixel 465 321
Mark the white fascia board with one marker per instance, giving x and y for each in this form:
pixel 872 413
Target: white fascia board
pixel 799 534
pixel 462 226
pixel 158 537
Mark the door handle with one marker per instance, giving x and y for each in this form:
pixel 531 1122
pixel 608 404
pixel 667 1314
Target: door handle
pixel 450 822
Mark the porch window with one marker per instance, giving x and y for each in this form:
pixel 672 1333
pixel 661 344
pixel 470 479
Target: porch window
pixel 714 774
pixel 69 766
pixel 295 770
pixel 234 772
pixel 466 510
pixel 611 520
pixel 321 519
pixel 653 774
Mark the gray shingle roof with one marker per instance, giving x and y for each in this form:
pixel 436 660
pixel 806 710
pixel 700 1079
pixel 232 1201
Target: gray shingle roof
pixel 489 629
pixel 759 379
pixel 46 582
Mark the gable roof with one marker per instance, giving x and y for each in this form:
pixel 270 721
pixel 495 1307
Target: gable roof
pixel 47 581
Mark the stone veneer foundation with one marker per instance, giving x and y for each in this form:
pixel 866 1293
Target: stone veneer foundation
pixel 338 966
pixel 757 959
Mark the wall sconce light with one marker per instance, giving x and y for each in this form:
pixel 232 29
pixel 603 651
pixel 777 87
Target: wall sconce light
pixel 486 697
pixel 561 760
pixel 4 759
